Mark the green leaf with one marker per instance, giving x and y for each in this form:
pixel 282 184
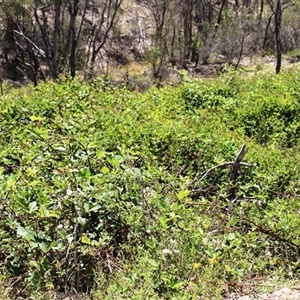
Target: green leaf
pixel 86 207
pixel 52 245
pixel 32 206
pixel 231 236
pixel 44 247
pixel 54 214
pixel 115 162
pixel 182 194
pixel 85 240
pixel 95 243
pixel 100 154
pixel 35 118
pixel 85 172
pixel 81 220
pixel 11 182
pixel 28 235
pixel 95 207
pixel 104 170
pixel 33 244
pixel 162 203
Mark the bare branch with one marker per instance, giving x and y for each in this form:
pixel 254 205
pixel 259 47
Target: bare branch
pixel 235 165
pixel 237 161
pixel 226 164
pixel 41 52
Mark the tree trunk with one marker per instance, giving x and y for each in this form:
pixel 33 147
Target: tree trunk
pixel 224 2
pixel 73 10
pixel 56 29
pixel 108 16
pixel 261 10
pixel 278 14
pixel 265 43
pixel 188 10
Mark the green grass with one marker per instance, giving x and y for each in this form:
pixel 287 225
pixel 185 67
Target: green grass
pixel 103 191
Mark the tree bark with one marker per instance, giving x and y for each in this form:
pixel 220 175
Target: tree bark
pixel 73 10
pixel 188 11
pixel 57 5
pixel 278 15
pixel 224 2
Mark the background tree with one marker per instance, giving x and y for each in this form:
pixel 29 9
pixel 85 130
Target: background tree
pixel 100 29
pixel 278 15
pixel 73 8
pixel 44 38
pixel 158 52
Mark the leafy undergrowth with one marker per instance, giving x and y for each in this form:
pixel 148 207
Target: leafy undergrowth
pixel 113 194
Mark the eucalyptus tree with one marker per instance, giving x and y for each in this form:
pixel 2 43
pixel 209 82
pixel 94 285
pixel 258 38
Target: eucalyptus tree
pixel 60 24
pixel 44 38
pixel 100 27
pixel 159 38
pixel 276 7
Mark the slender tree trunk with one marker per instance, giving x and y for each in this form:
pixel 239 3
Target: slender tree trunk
pixel 265 43
pixel 45 37
pixel 241 53
pixel 108 16
pixel 56 29
pixel 73 10
pixel 236 4
pixel 73 13
pixel 278 15
pixel 261 10
pixel 224 2
pixel 187 30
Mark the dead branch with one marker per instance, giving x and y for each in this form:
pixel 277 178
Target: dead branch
pixel 40 51
pixel 235 170
pixel 235 166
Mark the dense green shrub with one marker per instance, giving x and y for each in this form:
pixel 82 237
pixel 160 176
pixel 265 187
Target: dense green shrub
pixel 272 119
pixel 266 108
pixel 205 95
pixel 120 194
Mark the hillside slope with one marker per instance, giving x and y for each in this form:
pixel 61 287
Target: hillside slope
pixel 113 194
